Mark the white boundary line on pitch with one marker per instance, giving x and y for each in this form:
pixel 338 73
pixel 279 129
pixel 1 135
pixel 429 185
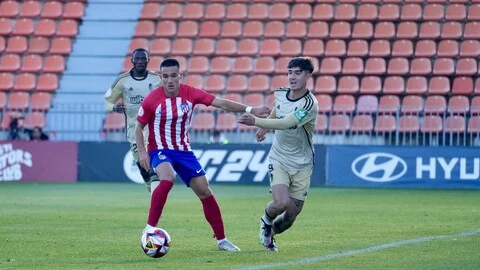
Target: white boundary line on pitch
pixel 358 251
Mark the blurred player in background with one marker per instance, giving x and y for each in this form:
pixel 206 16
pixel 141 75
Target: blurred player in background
pixel 168 113
pixel 132 87
pixel 291 156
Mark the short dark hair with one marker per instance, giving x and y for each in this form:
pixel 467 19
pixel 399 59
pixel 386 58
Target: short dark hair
pixel 303 62
pixel 140 50
pixel 170 62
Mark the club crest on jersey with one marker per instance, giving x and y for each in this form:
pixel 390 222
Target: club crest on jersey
pixel 184 107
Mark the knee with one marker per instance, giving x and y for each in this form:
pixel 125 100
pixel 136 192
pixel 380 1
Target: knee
pixel 281 204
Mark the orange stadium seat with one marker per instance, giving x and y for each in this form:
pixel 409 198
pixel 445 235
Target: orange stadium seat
pixel 475 106
pixel 389 12
pixel 367 104
pixel 34 119
pixel 473 125
pixel 324 103
pixel 9 62
pixel 30 9
pixel 45 28
pixel 236 11
pixel 193 11
pixel 407 30
pixel 348 85
pixel 339 123
pixel 431 124
pixel 61 45
pixel 458 105
pixel 370 85
pixel 462 86
pixel 472 30
pixel 443 66
pixel 40 101
pixel 215 11
pixel 6 81
pixel 237 83
pixel 187 29
pixel 25 82
pixel 231 29
pixel 47 82
pixel 335 47
pixel 198 64
pixel 470 48
pixel 253 29
pixel 416 85
pixel 220 65
pixel 425 48
pixel 389 104
pixel 114 122
pixel 226 47
pixel 362 124
pixel 402 48
pixel 473 12
pixel 7 116
pixel 466 67
pixel 322 12
pixel 344 104
pixel 321 124
pixel 398 66
pixel 296 29
pixel 264 65
pixel 344 12
pixel 330 66
pixel 54 64
pixel 248 47
pixel 9 9
pixel 73 10
pixel 325 84
pixel 172 11
pixel 136 43
pixel 23 27
pixel 439 86
pixel 270 47
pixel 352 66
pixel 6 26
pixel 411 12
pixel 435 104
pixel 279 81
pixel 421 66
pixel 358 48
pixel 451 30
pixel 32 63
pixel 258 83
pixel 279 11
pixel 38 45
pixel 16 44
pixel 194 80
pixel 433 12
pixel 412 104
pixel 301 11
pixel 317 30
pixel 209 29
pixel 455 12
pixel 52 10
pixel 204 47
pixel 385 124
pixel 273 29
pixel 291 47
pixel 379 48
pixel 164 28
pixel 429 30
pixel 254 99
pixel 281 65
pixel 182 46
pixel 313 47
pixel 340 30
pixel 18 101
pixel 257 11
pixel 233 97
pixel 384 30
pixel 67 28
pixel 408 124
pixel 243 65
pixel 455 124
pixel 226 121
pixel 367 12
pixel 375 66
pixel 215 83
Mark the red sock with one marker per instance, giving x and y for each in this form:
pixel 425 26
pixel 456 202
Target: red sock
pixel 157 202
pixel 211 209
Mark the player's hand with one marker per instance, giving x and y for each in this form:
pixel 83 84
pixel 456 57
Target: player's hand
pixel 144 160
pixel 119 107
pixel 261 112
pixel 246 119
pixel 260 134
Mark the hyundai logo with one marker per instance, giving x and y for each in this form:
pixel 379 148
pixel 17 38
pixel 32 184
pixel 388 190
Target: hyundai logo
pixel 379 167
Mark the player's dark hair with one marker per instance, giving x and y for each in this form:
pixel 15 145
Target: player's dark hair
pixel 304 63
pixel 170 62
pixel 140 50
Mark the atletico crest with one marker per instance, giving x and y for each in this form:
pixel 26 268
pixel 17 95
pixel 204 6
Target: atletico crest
pixel 184 107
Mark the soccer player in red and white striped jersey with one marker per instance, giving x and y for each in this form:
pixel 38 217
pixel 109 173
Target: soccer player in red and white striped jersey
pixel 167 111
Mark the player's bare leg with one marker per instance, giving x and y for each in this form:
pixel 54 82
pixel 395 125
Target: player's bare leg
pixel 212 212
pixel 281 201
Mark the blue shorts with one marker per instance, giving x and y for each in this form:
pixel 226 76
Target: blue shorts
pixel 184 163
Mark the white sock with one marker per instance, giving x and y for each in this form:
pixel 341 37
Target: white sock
pixel 148 227
pixel 221 240
pixel 267 220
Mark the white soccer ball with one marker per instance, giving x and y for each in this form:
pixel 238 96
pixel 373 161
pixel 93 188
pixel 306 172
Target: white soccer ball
pixel 155 242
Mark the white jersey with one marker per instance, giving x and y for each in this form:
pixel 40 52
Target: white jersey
pixel 132 91
pixel 293 148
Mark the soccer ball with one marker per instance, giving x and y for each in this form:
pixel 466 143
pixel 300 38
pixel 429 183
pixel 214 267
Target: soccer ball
pixel 155 242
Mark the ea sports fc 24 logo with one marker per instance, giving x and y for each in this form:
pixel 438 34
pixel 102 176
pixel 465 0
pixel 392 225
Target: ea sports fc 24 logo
pixel 11 161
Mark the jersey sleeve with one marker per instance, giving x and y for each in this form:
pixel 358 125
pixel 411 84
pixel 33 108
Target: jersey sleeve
pixel 145 111
pixel 113 94
pixel 200 96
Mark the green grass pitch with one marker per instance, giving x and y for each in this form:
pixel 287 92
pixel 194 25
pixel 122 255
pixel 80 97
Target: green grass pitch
pixel 98 226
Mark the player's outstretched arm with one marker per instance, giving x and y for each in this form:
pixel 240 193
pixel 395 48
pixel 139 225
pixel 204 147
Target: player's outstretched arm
pixel 233 106
pixel 143 157
pixel 290 121
pixel 260 135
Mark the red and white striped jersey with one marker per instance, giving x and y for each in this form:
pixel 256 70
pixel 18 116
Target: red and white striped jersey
pixel 168 118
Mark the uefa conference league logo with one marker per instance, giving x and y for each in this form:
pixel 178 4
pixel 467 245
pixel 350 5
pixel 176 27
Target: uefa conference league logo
pixel 379 167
